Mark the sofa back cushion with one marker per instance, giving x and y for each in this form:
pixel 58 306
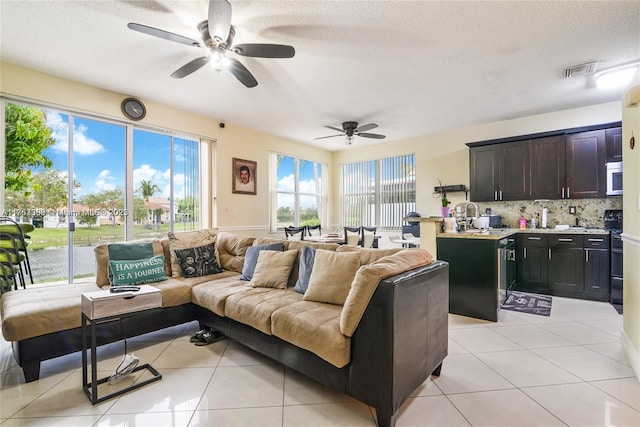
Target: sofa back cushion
pixel 331 276
pixel 369 276
pixel 369 255
pixel 101 253
pixel 231 249
pixel 186 240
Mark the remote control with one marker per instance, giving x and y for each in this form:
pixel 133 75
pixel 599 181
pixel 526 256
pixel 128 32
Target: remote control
pixel 115 289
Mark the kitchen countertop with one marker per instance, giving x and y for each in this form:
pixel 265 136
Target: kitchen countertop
pixel 501 233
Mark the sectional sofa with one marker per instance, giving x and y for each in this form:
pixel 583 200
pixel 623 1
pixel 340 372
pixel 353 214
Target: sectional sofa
pixel 371 323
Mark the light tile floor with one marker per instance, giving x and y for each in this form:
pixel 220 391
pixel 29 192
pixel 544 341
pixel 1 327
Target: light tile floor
pixel 526 370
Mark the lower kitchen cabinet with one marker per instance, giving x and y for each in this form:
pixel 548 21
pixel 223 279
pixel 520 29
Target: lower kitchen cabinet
pixel 568 265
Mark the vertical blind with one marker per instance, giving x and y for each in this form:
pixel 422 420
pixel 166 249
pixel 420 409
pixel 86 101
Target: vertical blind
pixel 378 192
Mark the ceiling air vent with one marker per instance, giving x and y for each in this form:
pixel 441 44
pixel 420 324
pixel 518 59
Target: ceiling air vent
pixel 581 70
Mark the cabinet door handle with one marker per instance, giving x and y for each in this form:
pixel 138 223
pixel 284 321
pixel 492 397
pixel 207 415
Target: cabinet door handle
pixel 549 254
pixel 596 240
pixel 562 193
pixel 524 253
pixel 495 195
pixel 568 196
pixel 586 252
pixel 565 240
pixel 500 194
pixel 534 238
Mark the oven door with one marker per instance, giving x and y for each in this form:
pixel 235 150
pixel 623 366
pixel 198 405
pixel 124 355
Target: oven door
pixel 614 179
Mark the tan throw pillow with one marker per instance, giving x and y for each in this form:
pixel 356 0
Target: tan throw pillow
pixel 331 276
pixel 186 240
pixel 273 269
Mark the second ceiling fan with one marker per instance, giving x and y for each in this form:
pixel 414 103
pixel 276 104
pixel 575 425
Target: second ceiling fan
pixel 217 35
pixel 351 130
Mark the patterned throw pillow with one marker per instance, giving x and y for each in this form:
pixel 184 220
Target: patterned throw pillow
pixel 138 271
pixel 200 261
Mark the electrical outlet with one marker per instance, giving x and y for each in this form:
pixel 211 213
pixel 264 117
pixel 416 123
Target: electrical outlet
pixel 572 210
pixel 234 212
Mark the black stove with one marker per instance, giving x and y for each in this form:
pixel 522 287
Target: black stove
pixel 613 223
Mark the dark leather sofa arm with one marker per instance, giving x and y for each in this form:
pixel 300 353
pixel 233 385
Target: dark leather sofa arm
pixel 401 339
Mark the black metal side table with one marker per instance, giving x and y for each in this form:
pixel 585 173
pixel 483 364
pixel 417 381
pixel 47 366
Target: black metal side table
pixel 133 309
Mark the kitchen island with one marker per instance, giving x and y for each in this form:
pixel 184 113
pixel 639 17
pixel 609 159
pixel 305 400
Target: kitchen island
pixel 482 264
pixel 477 270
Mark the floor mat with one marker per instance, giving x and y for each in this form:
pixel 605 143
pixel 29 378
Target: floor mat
pixel 528 303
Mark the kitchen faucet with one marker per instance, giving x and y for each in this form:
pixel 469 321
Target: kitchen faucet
pixel 461 209
pixel 476 210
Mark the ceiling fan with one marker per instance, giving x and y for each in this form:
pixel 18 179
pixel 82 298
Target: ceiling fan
pixel 351 130
pixel 217 35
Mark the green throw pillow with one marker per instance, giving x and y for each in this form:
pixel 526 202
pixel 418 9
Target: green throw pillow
pixel 137 272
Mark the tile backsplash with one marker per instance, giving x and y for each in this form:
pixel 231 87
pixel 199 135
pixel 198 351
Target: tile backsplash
pixel 589 212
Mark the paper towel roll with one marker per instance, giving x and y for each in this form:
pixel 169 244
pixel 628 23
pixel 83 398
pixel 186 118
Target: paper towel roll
pixel 543 224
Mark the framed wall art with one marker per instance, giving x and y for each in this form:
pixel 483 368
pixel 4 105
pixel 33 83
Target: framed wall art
pixel 244 176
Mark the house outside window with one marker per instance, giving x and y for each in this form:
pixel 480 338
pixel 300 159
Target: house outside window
pixel 378 192
pixel 299 195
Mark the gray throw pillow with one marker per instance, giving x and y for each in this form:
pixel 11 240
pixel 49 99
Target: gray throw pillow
pixel 200 261
pixel 307 256
pixel 251 258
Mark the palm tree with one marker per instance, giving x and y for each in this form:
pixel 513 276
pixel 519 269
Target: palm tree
pixel 148 189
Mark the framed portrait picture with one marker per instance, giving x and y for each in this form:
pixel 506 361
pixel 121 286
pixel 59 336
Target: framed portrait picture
pixel 244 176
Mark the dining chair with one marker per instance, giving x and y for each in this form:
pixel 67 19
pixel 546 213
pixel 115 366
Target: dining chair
pixel 314 227
pixel 353 236
pixel 8 272
pixel 11 259
pixel 368 236
pixel 292 231
pixel 10 226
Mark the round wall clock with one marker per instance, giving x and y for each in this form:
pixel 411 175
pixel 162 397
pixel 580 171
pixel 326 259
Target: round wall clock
pixel 133 108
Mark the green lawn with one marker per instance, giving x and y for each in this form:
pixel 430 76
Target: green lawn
pixel 56 237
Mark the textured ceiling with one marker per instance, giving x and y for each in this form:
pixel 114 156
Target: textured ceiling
pixel 412 67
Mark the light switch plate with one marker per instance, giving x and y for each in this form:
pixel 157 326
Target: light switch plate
pixel 572 210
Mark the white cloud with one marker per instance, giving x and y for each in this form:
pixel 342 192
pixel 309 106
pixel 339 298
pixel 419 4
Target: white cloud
pixel 82 144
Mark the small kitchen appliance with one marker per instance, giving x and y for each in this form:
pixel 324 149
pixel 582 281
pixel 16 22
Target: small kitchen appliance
pixel 613 223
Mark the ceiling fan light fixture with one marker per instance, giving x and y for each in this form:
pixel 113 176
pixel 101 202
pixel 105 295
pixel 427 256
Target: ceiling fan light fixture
pixel 617 77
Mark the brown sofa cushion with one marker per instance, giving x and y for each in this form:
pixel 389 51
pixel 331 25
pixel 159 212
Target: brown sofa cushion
pixel 185 240
pixel 368 255
pixel 331 276
pixel 231 249
pixel 213 295
pixel 368 278
pixel 42 310
pixel 315 327
pixel 254 307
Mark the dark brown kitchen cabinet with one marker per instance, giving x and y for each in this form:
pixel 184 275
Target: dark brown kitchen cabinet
pixel 499 172
pixel 566 265
pixel 547 164
pixel 613 138
pixel 531 263
pixel 586 165
pixel 597 267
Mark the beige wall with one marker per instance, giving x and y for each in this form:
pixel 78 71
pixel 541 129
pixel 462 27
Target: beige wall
pixel 445 156
pixel 232 141
pixel 631 236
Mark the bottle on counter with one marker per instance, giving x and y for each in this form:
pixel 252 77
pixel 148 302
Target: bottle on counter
pixel 534 223
pixel 523 223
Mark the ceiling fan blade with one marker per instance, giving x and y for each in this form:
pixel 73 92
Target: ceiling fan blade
pixel 163 34
pixel 264 50
pixel 219 19
pixel 365 128
pixel 372 135
pixel 190 67
pixel 330 136
pixel 334 128
pixel 241 73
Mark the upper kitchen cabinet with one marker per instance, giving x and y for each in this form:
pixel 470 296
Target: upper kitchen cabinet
pixel 547 164
pixel 586 165
pixel 497 173
pixel 613 139
pixel 564 164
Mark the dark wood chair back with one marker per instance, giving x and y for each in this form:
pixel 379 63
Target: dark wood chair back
pixel 292 231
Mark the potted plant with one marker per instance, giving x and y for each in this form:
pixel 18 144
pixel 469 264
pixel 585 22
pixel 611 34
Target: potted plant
pixel 445 205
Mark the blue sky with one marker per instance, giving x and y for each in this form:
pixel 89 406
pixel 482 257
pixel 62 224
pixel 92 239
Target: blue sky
pixel 99 156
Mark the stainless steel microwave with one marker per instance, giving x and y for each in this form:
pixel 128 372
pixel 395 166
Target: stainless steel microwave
pixel 614 179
